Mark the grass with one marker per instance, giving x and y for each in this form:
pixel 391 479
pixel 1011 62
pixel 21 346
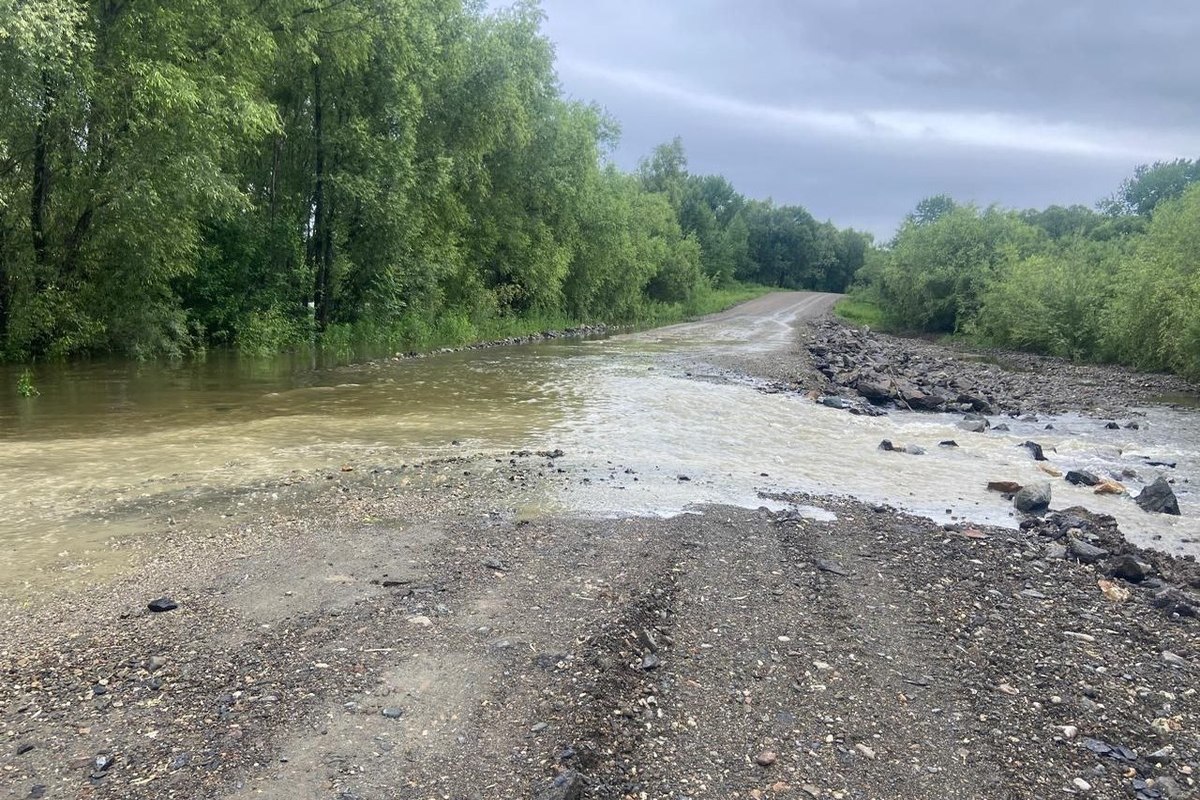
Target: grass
pixel 457 329
pixel 859 312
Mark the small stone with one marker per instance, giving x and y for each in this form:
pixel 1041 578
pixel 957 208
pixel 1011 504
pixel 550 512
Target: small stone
pixel 162 604
pixel 1081 785
pixel 103 762
pixel 155 663
pixel 1127 568
pixel 539 727
pixel 766 758
pixel 421 620
pixel 1174 659
pixel 651 661
pixel 392 712
pixel 22 749
pixel 1069 731
pixel 1036 450
pixel 493 563
pixel 865 750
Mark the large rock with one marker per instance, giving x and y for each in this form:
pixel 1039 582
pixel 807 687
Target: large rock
pixel 1128 568
pixel 1081 477
pixel 917 400
pixel 1036 450
pixel 1033 499
pixel 875 391
pixel 1085 552
pixel 973 423
pixel 1158 498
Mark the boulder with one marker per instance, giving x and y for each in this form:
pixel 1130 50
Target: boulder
pixel 1036 450
pixel 833 401
pixel 1085 552
pixel 973 423
pixel 1081 477
pixel 1128 568
pixel 875 391
pixel 1158 498
pixel 1033 499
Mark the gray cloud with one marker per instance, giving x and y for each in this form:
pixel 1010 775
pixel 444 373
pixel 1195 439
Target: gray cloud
pixel 857 108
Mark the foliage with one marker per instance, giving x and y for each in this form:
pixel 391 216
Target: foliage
pixel 938 268
pixel 179 175
pixel 25 385
pixel 1065 281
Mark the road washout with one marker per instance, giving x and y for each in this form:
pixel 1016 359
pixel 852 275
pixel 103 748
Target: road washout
pixel 450 627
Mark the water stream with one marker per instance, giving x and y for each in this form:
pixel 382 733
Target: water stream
pixel 623 408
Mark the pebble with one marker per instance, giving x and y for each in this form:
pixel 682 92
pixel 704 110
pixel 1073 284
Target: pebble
pixel 766 758
pixel 865 750
pixel 392 713
pixel 421 620
pixel 1174 659
pixel 1069 731
pixel 1082 785
pixel 162 604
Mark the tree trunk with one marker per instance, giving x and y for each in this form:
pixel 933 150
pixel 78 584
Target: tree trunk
pixel 39 198
pixel 322 250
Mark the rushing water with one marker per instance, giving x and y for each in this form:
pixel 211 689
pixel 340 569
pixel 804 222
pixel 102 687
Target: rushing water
pixel 104 433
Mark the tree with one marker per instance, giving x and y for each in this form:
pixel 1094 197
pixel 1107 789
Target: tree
pixel 1152 184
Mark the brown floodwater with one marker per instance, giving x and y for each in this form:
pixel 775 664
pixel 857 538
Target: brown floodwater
pixel 105 434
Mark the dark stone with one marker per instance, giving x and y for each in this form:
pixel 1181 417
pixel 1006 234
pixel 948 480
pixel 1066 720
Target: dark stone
pixel 37 792
pixel 833 401
pixel 567 786
pixel 162 604
pixel 1001 428
pixel 1082 478
pixel 887 446
pixel 1128 568
pixel 651 661
pixel 1158 498
pixel 829 566
pixel 22 749
pixel 684 478
pixel 948 443
pixel 1036 450
pixel 1167 464
pixel 1112 426
pixel 1033 499
pixel 1173 601
pixel 1084 552
pixel 392 713
pixel 1132 426
pixel 874 391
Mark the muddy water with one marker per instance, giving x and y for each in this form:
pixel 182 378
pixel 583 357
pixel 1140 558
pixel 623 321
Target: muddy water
pixel 656 429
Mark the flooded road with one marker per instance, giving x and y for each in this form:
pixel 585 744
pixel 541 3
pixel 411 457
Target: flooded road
pixel 653 418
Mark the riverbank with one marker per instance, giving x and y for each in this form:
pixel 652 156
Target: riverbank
pixel 451 628
pixel 913 373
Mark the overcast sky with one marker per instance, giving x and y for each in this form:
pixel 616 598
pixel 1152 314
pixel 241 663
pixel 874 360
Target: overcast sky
pixel 857 109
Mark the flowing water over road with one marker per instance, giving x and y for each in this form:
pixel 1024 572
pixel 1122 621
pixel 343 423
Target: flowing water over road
pixel 636 411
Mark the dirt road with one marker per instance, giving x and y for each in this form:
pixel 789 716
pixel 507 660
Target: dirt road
pixel 422 631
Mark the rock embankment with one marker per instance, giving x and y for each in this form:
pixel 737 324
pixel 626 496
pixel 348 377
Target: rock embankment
pixel 925 376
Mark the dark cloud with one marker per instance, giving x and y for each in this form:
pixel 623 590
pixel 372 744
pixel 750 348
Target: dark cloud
pixel 857 108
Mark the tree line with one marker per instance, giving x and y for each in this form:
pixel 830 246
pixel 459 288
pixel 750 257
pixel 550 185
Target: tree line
pixel 1118 283
pixel 256 173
